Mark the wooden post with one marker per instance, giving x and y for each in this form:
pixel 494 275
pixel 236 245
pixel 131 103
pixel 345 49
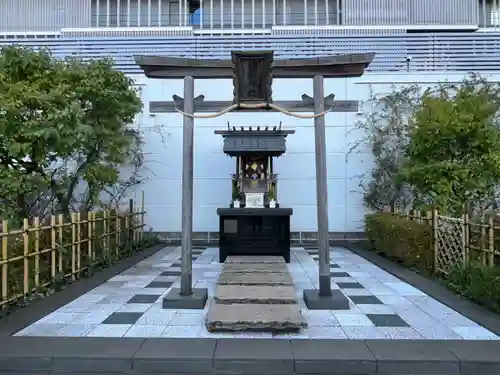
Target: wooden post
pixel 187 188
pixel 491 240
pixel 26 243
pixel 321 188
pixel 5 260
pixel 53 246
pixel 36 224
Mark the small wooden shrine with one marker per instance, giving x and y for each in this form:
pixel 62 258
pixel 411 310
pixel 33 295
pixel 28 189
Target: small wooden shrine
pixel 254 223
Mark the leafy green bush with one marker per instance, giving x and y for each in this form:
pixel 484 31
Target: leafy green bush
pixel 476 282
pixel 409 242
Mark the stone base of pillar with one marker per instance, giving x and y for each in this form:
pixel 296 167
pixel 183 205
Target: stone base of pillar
pixel 195 301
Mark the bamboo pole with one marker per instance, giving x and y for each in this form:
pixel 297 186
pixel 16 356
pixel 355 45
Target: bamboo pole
pixel 53 246
pixel 36 224
pixel 60 253
pixel 90 221
pixel 26 243
pixel 73 246
pixel 5 257
pixel 142 215
pixel 78 243
pixel 118 233
pixel 482 243
pixel 465 237
pixel 491 241
pixel 435 238
pixel 105 234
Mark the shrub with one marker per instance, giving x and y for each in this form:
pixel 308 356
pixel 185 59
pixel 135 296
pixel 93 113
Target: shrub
pixel 407 241
pixel 476 282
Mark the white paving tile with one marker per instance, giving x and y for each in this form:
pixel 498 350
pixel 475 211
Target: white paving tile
pixel 427 317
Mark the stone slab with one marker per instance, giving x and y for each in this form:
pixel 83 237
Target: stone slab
pixel 255 279
pixel 196 301
pixel 333 357
pixel 254 267
pixel 337 301
pixel 248 317
pixel 255 294
pixel 255 356
pixel 253 259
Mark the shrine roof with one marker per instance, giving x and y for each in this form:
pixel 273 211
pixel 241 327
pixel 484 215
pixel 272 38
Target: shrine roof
pixel 249 141
pixel 339 66
pixel 250 131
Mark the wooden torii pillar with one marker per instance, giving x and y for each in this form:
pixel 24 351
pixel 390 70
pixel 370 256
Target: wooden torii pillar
pixel 252 73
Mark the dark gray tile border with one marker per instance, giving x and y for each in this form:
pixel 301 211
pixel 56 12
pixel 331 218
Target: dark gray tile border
pixel 21 318
pixel 257 356
pixel 248 356
pixel 175 356
pixel 432 288
pixel 333 357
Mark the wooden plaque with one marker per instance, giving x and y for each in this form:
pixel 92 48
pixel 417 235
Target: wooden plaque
pixel 252 77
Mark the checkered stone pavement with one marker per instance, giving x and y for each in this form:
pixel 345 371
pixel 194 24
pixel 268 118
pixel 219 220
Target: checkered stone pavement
pixel 381 306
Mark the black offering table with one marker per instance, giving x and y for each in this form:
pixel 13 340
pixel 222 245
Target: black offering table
pixel 254 224
pixel 254 231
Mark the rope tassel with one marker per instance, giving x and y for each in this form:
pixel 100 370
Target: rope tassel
pixel 255 106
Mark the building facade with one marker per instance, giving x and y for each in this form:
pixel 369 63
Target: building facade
pixel 415 41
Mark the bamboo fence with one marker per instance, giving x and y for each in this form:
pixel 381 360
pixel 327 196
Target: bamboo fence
pixel 40 254
pixel 460 239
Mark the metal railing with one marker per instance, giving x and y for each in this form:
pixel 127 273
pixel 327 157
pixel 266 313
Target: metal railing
pixel 52 15
pixel 428 52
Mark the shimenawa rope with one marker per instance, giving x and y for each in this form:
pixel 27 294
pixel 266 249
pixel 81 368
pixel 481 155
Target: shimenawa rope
pixel 255 106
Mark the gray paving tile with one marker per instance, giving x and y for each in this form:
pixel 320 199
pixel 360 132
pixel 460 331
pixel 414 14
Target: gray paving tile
pixel 123 318
pixel 256 356
pixel 160 284
pixel 365 300
pixel 144 298
pixel 413 357
pixel 387 320
pixel 332 357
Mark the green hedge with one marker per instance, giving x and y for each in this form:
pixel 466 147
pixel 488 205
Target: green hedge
pixel 476 282
pixel 406 241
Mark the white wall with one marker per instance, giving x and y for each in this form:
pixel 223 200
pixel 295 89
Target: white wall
pixel 296 186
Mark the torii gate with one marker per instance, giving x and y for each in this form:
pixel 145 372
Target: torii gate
pixel 252 73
